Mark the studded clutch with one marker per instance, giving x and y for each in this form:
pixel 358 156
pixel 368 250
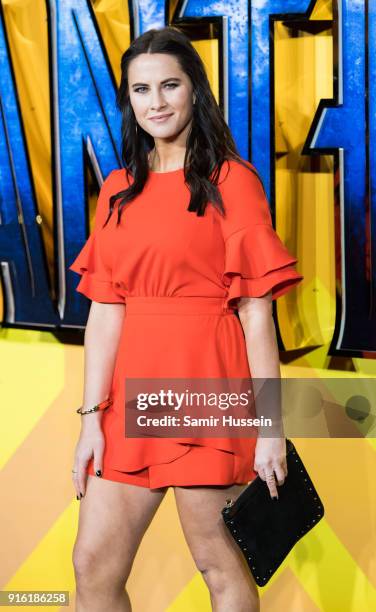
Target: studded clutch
pixel 266 530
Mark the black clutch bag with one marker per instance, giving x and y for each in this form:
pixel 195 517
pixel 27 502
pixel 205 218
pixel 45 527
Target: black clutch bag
pixel 266 530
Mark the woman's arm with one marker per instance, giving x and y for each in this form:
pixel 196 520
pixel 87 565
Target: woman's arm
pixel 255 314
pixel 102 335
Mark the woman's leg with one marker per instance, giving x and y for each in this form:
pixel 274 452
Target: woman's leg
pixel 216 555
pixel 113 519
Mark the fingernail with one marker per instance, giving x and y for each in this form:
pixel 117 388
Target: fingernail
pixel 276 498
pixel 81 494
pixel 98 473
pixel 77 497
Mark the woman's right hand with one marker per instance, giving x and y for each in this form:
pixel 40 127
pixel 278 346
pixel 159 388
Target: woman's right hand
pixel 90 444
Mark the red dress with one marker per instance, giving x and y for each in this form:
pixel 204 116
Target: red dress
pixel 180 276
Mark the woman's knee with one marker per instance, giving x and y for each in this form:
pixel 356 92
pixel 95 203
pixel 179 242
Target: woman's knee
pixel 222 573
pixel 231 590
pixel 215 579
pixel 93 568
pixel 211 567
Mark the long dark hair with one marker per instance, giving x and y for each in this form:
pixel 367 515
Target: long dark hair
pixel 209 142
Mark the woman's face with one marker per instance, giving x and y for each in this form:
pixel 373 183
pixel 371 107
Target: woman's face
pixel 158 86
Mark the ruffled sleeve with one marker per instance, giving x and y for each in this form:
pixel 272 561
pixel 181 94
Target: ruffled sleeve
pixel 256 260
pixel 96 279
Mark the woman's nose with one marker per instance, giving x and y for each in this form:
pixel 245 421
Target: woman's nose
pixel 157 101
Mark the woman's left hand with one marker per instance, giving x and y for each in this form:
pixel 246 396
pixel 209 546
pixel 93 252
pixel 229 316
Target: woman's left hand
pixel 270 458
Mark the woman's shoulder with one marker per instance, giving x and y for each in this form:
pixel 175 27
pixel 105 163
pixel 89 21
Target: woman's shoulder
pixel 119 177
pixel 234 170
pixel 243 195
pixel 114 182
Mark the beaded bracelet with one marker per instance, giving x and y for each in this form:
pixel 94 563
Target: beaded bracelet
pixel 101 406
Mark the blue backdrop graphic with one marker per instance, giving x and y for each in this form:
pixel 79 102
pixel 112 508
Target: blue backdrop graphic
pixel 86 126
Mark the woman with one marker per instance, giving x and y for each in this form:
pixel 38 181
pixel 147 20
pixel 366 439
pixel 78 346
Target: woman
pixel 172 257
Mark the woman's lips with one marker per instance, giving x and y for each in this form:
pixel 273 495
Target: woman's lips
pixel 161 119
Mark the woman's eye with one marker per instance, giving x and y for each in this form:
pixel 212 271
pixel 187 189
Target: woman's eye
pixel 139 89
